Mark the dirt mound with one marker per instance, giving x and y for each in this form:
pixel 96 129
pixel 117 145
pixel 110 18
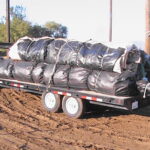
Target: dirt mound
pixel 25 125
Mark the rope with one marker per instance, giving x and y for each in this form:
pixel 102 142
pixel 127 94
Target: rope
pixel 54 68
pixel 97 79
pixel 103 57
pixel 147 85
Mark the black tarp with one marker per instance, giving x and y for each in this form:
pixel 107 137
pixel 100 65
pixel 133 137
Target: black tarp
pixel 52 50
pixel 69 53
pixel 78 77
pixel 143 87
pixel 98 56
pixel 48 74
pixel 6 68
pixel 112 83
pixel 90 55
pixel 110 57
pixel 61 74
pixel 22 70
pixel 37 73
pixel 38 50
pixel 34 50
pixel 23 47
pixel 131 57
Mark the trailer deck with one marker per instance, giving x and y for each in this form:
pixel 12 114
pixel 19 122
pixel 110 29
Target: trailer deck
pixel 120 102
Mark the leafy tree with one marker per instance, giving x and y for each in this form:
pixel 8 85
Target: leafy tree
pixel 38 31
pixel 56 30
pixel 21 27
pixel 3 35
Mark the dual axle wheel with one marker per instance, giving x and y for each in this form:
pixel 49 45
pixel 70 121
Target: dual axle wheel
pixel 71 106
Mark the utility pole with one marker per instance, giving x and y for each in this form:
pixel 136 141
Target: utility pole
pixel 110 22
pixel 147 17
pixel 8 20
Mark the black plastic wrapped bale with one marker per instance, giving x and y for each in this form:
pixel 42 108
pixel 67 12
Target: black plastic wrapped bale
pixel 78 77
pixel 144 88
pixel 130 57
pixel 98 56
pixel 126 88
pixel 37 73
pixel 102 81
pixel 90 55
pixel 48 74
pixel 52 50
pixel 37 50
pixel 69 52
pixel 23 48
pixel 110 58
pixel 60 77
pixel 22 71
pixel 112 83
pixel 6 68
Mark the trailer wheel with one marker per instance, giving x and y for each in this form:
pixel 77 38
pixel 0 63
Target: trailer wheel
pixel 73 106
pixel 51 102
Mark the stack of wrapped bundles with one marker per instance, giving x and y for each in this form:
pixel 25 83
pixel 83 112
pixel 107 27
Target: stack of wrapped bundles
pixel 77 65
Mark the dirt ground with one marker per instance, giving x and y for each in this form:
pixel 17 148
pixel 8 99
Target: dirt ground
pixel 25 125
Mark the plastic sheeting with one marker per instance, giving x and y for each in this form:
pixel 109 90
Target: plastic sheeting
pixel 112 83
pixel 110 58
pixel 18 49
pixel 37 50
pixel 23 47
pixel 48 74
pixel 143 87
pixel 37 73
pixel 78 78
pixel 90 55
pixel 22 71
pixel 6 68
pixel 69 53
pixel 52 50
pixel 60 77
pixel 30 49
pixel 102 81
pixel 130 57
pixel 98 56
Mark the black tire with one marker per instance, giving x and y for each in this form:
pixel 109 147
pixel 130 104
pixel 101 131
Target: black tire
pixel 56 104
pixel 80 111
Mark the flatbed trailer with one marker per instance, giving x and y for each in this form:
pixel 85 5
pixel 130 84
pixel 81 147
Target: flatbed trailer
pixel 73 101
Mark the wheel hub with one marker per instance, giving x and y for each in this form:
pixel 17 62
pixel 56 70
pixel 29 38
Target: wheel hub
pixel 72 105
pixel 50 100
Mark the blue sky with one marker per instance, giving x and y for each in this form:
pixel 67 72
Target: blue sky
pixel 88 19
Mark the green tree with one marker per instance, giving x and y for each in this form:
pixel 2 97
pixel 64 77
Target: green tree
pixel 38 31
pixel 3 35
pixel 21 27
pixel 56 30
